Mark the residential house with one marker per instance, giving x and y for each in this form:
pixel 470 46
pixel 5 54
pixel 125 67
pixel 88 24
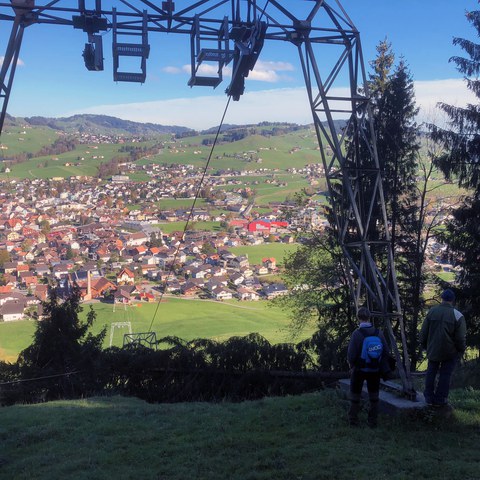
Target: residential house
pixel 121 296
pixel 145 268
pixel 173 286
pixel 135 239
pixel 244 293
pixel 221 293
pixel 237 278
pixel 10 267
pixel 138 250
pixel 190 288
pixel 270 263
pixel 60 270
pixel 155 275
pixel 41 292
pixel 274 290
pixel 27 278
pixel 12 310
pixel 6 289
pixel 261 270
pixel 146 297
pixel 203 271
pixel 100 286
pixel 13 297
pixel 216 282
pixel 246 272
pixel 238 262
pixel 41 269
pixel 125 277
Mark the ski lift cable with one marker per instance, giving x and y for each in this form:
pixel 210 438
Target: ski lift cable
pixel 190 215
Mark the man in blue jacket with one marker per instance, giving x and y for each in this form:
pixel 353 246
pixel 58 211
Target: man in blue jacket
pixel 443 336
pixel 360 372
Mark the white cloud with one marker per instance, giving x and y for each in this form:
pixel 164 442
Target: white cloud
pixel 279 105
pixel 449 91
pixel 206 111
pixel 268 71
pixel 20 62
pixel 172 70
pixel 263 72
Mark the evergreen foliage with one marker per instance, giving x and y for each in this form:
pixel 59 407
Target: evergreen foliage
pixel 316 273
pixel 241 368
pixel 66 361
pixel 398 149
pixel 461 163
pixel 319 292
pixel 64 349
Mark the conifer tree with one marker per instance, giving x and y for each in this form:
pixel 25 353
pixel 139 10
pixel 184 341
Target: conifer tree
pixel 394 111
pixel 461 163
pixel 397 140
pixel 63 351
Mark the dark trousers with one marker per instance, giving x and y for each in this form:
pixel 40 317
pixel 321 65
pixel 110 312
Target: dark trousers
pixel 357 379
pixel 444 370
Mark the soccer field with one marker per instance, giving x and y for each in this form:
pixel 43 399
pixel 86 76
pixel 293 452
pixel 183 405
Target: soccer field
pixel 184 318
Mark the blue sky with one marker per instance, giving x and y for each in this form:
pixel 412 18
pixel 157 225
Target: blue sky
pixel 51 79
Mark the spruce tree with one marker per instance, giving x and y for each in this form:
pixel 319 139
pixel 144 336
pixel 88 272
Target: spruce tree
pixel 461 163
pixel 316 267
pixel 64 351
pixel 398 147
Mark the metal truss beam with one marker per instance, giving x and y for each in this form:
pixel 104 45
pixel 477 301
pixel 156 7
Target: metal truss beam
pixel 7 71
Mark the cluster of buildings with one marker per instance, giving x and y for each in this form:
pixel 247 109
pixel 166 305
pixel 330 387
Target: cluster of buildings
pixel 106 237
pixel 80 231
pixel 111 264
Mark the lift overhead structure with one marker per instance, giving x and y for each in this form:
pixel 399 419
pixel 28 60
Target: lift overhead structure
pixel 232 33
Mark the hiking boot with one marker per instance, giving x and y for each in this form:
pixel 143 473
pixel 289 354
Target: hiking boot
pixel 355 408
pixel 353 422
pixel 373 413
pixel 372 422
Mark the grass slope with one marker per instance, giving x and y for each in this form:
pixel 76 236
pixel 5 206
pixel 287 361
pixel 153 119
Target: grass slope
pixel 257 252
pixel 304 437
pixel 275 154
pixel 187 319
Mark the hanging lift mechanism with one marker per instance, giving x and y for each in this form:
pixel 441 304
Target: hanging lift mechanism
pixel 249 42
pixel 139 49
pixel 217 42
pixel 91 23
pixel 203 59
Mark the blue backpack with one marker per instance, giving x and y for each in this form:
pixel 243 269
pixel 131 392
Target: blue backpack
pixel 372 350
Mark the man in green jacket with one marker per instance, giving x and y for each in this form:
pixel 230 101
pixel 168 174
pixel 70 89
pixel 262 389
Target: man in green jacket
pixel 443 337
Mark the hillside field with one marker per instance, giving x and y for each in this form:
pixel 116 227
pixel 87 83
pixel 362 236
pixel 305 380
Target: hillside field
pixel 302 437
pixel 187 319
pixel 275 153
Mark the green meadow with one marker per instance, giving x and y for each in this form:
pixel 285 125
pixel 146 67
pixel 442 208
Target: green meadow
pixel 257 252
pixel 85 157
pixel 170 227
pixel 275 153
pixel 302 437
pixel 187 319
pixel 19 140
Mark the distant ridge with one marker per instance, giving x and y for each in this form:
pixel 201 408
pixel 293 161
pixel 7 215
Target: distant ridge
pixel 104 124
pixel 107 125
